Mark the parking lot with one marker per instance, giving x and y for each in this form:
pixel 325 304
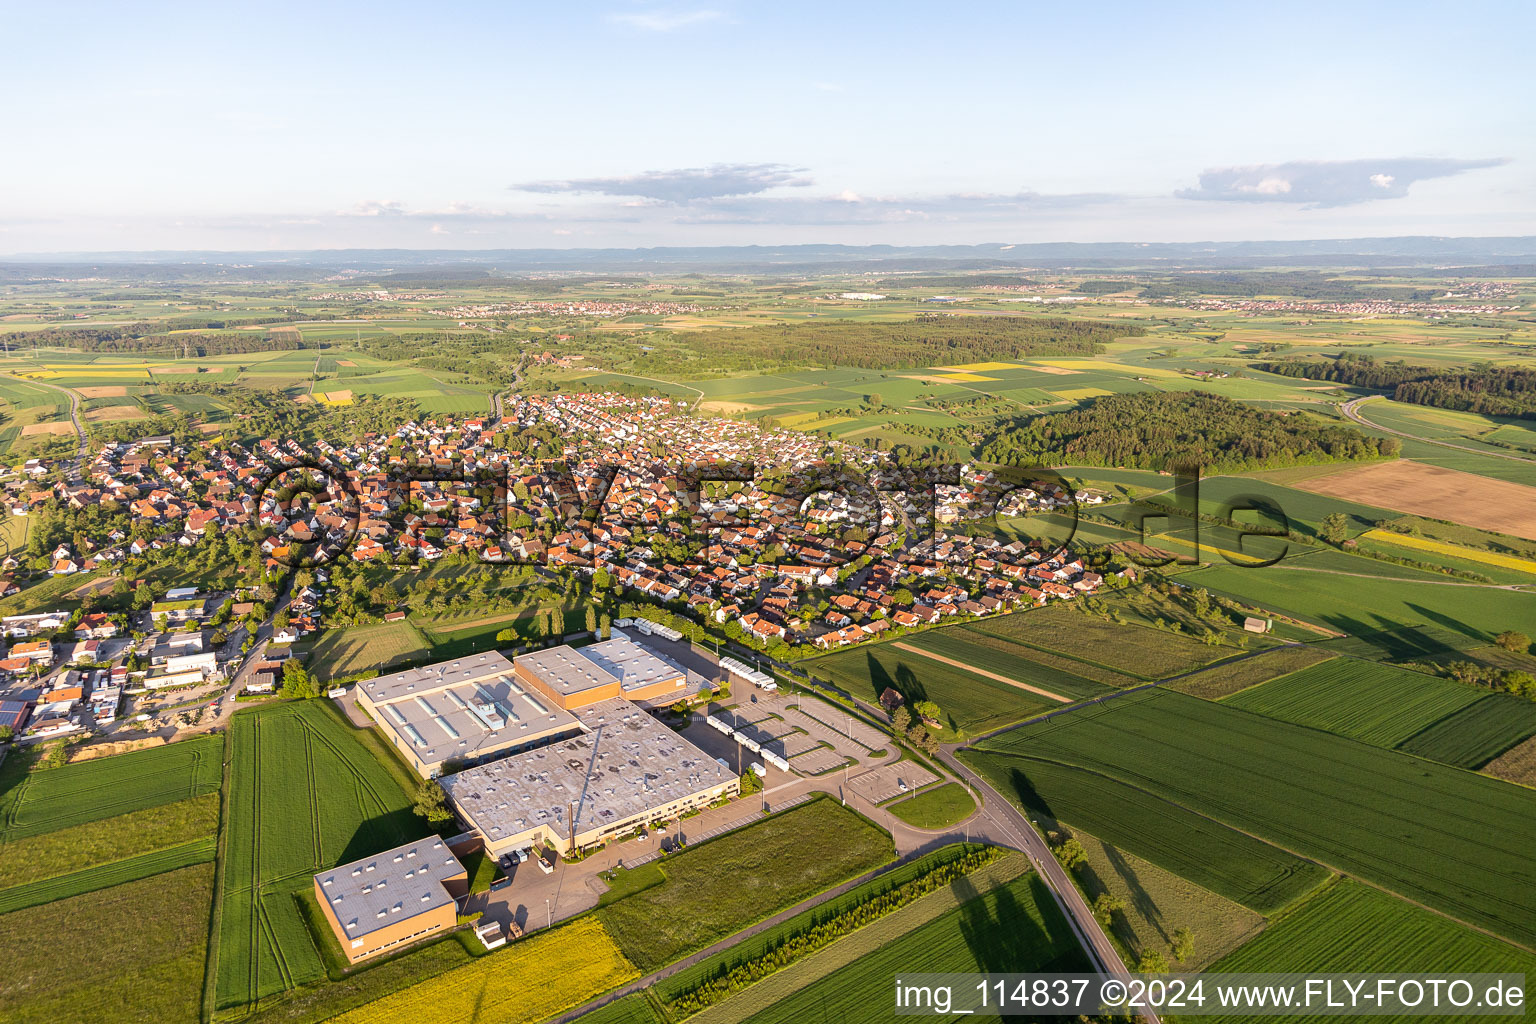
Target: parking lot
pixel 886 781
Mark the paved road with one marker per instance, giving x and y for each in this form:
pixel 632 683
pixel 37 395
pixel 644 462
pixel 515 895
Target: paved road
pixel 1002 823
pixel 1351 409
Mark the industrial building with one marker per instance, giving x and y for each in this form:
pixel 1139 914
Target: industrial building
pixel 465 711
pixel 576 677
pixel 627 769
pixel 392 898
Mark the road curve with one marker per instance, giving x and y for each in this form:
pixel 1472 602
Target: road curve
pixel 1351 409
pixel 74 418
pixel 1074 907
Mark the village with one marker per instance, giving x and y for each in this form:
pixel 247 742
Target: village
pixel 769 567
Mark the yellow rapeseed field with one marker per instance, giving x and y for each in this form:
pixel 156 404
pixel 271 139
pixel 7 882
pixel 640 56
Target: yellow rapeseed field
pixel 1076 394
pixel 533 979
pixel 1440 547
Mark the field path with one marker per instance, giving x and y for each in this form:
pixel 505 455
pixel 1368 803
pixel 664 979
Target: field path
pixel 980 672
pixel 73 469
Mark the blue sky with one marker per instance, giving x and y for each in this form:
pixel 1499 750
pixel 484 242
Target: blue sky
pixel 488 125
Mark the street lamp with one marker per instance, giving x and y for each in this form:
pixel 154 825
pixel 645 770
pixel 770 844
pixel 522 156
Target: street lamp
pixel 549 915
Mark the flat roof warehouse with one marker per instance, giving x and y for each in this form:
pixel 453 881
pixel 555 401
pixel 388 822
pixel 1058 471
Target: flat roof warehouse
pixel 464 710
pixel 556 735
pixel 626 770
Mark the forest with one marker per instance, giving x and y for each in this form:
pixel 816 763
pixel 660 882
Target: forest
pixel 1491 391
pixel 928 340
pixel 1166 430
pixel 1357 370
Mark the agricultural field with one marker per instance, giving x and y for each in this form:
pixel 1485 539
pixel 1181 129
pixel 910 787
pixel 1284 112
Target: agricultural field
pixel 1128 649
pixel 1517 764
pixel 970 703
pixel 731 882
pixel 1436 492
pixel 937 807
pixel 1420 546
pixel 1448 838
pixel 1015 927
pixel 105 876
pixel 1229 677
pixel 1157 903
pixel 1465 615
pixel 536 978
pixel 1351 927
pixel 1477 733
pixel 1223 860
pixel 46 799
pixel 1056 673
pixel 78 847
pixel 720 964
pixel 345 650
pixel 304 795
pixel 130 954
pixel 1363 700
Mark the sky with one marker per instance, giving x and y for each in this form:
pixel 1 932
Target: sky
pixel 479 125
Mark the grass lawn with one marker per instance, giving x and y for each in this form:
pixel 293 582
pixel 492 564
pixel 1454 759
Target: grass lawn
pixel 347 649
pixel 44 799
pixel 935 808
pixel 731 882
pixel 78 847
pixel 131 953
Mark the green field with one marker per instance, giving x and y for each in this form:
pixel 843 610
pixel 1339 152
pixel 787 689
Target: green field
pixel 78 847
pixel 1060 674
pixel 733 881
pixel 304 795
pixel 1366 701
pixel 1353 928
pixel 970 703
pixel 1015 927
pixel 349 649
pixel 1466 615
pixel 1229 863
pixel 1156 903
pixel 1477 733
pixel 936 807
pixel 131 954
pixel 46 799
pixel 104 876
pixel 1231 676
pixel 1451 839
pixel 1132 650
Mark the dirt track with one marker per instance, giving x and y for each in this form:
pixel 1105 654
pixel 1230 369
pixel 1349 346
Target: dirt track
pixel 980 672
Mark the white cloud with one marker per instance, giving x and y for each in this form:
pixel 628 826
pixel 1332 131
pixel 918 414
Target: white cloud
pixel 684 185
pixel 1326 182
pixel 664 21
